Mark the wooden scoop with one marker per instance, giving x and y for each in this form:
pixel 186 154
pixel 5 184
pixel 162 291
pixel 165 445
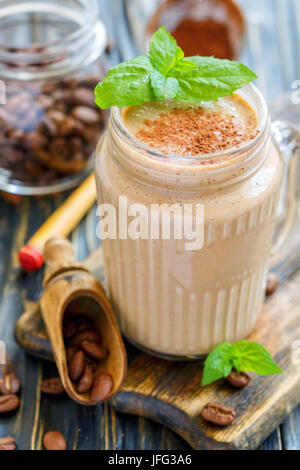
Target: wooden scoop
pixel 70 288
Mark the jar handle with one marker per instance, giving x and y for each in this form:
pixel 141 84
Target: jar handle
pixel 286 138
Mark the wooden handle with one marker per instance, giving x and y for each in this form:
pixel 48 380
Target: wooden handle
pixel 61 222
pixel 58 251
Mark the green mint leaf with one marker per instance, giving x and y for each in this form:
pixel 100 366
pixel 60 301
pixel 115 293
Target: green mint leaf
pixel 254 357
pixel 166 74
pixel 218 363
pixel 164 88
pixel 244 356
pixel 129 83
pixel 164 53
pixel 184 65
pixel 211 79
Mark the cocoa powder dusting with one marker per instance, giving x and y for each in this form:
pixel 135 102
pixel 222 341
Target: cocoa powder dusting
pixel 193 131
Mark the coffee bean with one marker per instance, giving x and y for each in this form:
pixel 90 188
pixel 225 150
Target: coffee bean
pixel 54 440
pixel 47 126
pixel 69 328
pixel 90 362
pixel 218 414
pixel 71 82
pixel 83 96
pixel 8 443
pixel 8 403
pixel 35 115
pixel 86 380
pixel 67 126
pixel 90 81
pixel 35 140
pixel 52 386
pixel 238 379
pixel 45 101
pixel 56 116
pixel 76 366
pixel 94 350
pixel 102 386
pixel 83 322
pixel 272 283
pixel 9 384
pixel 76 144
pixel 16 134
pixel 70 353
pixel 85 114
pixel 90 334
pixel 59 149
pixel 60 106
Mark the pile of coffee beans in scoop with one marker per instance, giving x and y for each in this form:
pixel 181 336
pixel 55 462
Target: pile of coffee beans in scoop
pixel 85 351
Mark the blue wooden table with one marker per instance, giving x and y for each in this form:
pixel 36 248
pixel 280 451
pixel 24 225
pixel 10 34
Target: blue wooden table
pixel 273 51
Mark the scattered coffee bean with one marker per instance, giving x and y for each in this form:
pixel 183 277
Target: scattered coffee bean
pixel 94 350
pixel 8 403
pixel 218 414
pixel 76 366
pixel 52 386
pixel 238 379
pixel 102 386
pixel 8 443
pixel 86 380
pixel 9 384
pixel 272 283
pixel 54 440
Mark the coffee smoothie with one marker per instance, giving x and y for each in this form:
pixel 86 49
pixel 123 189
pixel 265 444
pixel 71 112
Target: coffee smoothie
pixel 192 129
pixel 173 301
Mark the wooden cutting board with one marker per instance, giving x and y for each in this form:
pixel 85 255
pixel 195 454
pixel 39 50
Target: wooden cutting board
pixel 170 392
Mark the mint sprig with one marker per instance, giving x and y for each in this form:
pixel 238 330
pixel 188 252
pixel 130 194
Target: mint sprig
pixel 166 74
pixel 244 356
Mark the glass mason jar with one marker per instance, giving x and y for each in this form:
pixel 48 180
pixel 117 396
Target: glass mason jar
pixel 51 58
pixel 171 300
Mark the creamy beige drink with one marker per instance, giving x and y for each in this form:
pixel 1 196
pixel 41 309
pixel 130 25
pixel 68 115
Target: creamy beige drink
pixel 192 129
pixel 169 300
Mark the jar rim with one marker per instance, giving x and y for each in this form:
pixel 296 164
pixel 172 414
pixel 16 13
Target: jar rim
pixel 263 122
pixel 91 8
pixel 38 61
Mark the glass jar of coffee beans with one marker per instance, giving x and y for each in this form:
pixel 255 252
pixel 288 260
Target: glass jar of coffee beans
pixel 51 58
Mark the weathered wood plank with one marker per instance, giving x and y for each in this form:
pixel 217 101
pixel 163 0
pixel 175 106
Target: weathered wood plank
pixel 274 442
pixel 291 431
